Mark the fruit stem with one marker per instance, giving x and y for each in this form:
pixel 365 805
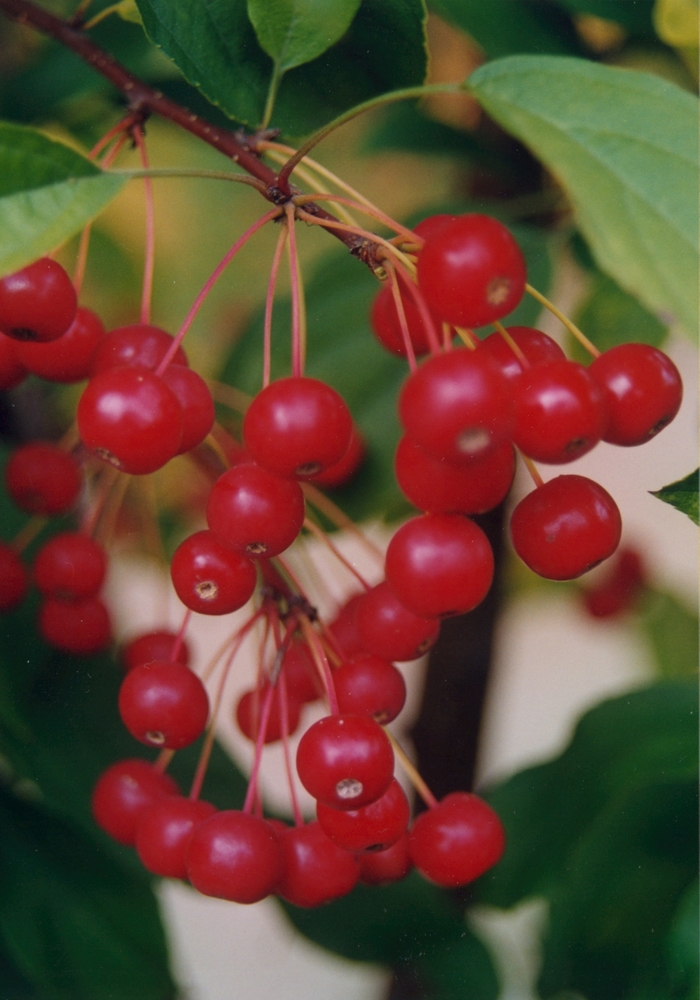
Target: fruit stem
pixel 571 327
pixel 319 533
pixel 210 282
pixel 149 256
pixel 401 314
pixel 284 720
pixel 418 298
pixel 307 177
pixel 269 301
pixel 357 231
pixel 107 160
pixel 512 344
pixel 259 743
pixel 163 760
pixel 372 211
pixel 467 337
pixel 321 660
pixel 341 520
pixel 412 771
pixel 180 637
pixel 28 532
pixel 532 469
pixel 298 308
pixel 447 336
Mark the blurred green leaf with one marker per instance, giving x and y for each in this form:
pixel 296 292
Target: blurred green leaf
pixel 293 32
pixel 682 944
pixel 343 352
pixel 408 924
pixel 672 630
pixel 218 52
pixel 611 316
pixel 640 739
pixel 683 495
pixel 504 27
pixel 623 144
pixel 48 192
pixel 77 924
pixel 636 16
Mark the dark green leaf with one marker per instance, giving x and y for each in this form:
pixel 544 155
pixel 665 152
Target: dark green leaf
pixel 638 740
pixel 672 630
pixel 611 316
pixel 48 192
pixel 293 32
pixel 410 924
pixel 683 495
pixel 623 144
pixel 682 943
pixel 610 915
pixel 343 352
pixel 504 27
pixel 77 924
pixel 214 45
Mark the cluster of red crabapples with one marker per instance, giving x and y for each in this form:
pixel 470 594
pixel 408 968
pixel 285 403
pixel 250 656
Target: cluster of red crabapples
pixel 464 411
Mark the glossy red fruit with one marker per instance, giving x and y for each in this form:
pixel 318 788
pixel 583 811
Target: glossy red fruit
pixel 368 685
pixel 196 402
pixel 38 302
pixel 150 646
pixel 432 224
pixel 164 834
pixel 618 591
pixel 643 391
pixel 81 627
pixel 456 841
pixel 439 564
pixel 345 761
pixel 566 527
pixel 70 565
pixel 436 486
pixel 137 344
pixel 315 870
pixel 297 427
pixel 42 479
pixel 373 828
pixel 123 793
pixel 301 674
pixel 164 704
pixel 211 578
pixel 344 470
pixel 471 271
pixel 387 629
pixel 457 406
pixel 130 418
pixel 249 712
pixel 385 324
pixel 254 511
pixel 68 359
pixel 12 371
pixel 13 578
pixel 537 348
pixel 560 412
pixel 343 629
pixel 234 856
pixel 385 867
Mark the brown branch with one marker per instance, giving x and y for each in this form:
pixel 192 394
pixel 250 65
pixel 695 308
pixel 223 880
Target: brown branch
pixel 144 101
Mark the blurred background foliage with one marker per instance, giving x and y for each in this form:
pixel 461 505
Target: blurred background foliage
pixel 606 833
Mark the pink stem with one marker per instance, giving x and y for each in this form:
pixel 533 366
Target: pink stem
pixel 180 638
pixel 150 254
pixel 216 274
pixel 398 304
pixel 425 316
pixel 267 335
pixel 259 743
pixel 107 161
pixel 321 660
pixel 297 359
pixel 284 719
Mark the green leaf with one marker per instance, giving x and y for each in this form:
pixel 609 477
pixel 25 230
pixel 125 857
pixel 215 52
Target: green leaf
pixel 215 46
pixel 624 146
pixel 503 27
pixel 682 941
pixel 293 32
pixel 343 352
pixel 409 925
pixel 639 739
pixel 683 495
pixel 78 925
pixel 48 192
pixel 672 630
pixel 636 17
pixel 611 316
